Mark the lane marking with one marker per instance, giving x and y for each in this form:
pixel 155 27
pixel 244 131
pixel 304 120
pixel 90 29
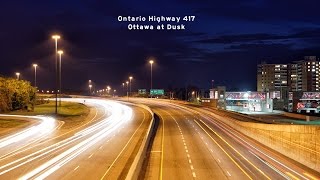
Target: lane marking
pixel 310 176
pixel 292 176
pixel 90 156
pixel 76 168
pixel 228 173
pixel 194 174
pixel 144 117
pixel 236 151
pixel 225 152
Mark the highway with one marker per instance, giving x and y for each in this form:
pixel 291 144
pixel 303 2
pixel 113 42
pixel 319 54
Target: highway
pixel 102 148
pixel 194 143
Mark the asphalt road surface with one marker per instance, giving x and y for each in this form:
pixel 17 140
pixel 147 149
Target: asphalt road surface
pixel 102 148
pixel 193 143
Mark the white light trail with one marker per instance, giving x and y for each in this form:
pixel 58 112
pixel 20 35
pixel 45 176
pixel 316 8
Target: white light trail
pixel 47 124
pixel 120 114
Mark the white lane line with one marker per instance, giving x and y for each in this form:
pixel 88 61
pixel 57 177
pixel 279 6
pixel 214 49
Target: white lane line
pixel 194 174
pixel 90 156
pixel 219 160
pixel 190 161
pixel 187 151
pixel 191 167
pixel 188 155
pixel 100 147
pixel 76 168
pixel 228 173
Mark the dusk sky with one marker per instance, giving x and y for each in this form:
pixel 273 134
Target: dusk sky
pixel 225 42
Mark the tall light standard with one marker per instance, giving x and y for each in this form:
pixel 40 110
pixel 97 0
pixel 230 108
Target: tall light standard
pixel 56 37
pixel 212 81
pixel 151 62
pixel 35 74
pixel 127 89
pixel 89 83
pixel 130 79
pixel 90 86
pixel 123 87
pixel 18 75
pixel 60 52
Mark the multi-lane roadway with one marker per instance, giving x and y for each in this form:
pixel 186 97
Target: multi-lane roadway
pixel 189 143
pixel 102 148
pixel 195 143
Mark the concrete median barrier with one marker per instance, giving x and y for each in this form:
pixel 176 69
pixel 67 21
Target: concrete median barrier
pixel 137 164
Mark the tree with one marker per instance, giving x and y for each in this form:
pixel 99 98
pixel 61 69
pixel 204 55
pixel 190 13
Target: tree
pixel 16 94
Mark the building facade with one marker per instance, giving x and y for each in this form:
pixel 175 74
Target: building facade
pixel 300 75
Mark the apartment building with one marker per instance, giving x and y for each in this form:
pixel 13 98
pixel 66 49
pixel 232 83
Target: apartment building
pixel 302 75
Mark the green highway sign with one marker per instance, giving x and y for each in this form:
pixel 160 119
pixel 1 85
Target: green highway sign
pixel 157 92
pixel 142 91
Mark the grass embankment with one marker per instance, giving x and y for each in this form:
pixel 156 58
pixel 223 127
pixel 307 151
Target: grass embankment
pixel 71 113
pixel 11 123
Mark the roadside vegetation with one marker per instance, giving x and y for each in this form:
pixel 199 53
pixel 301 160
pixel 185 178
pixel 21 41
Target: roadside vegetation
pixel 16 94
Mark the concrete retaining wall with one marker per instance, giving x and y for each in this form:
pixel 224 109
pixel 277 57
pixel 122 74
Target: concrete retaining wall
pixel 298 142
pixel 300 116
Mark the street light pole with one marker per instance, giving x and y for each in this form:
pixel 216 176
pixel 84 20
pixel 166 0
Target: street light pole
pixel 35 74
pixel 18 75
pixel 127 89
pixel 123 88
pixel 56 37
pixel 130 78
pixel 60 52
pixel 90 86
pixel 151 62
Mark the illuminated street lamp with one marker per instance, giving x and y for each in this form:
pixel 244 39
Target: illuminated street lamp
pixel 90 86
pixel 56 38
pixel 127 89
pixel 123 87
pixel 130 79
pixel 35 74
pixel 151 62
pixel 18 75
pixel 60 52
